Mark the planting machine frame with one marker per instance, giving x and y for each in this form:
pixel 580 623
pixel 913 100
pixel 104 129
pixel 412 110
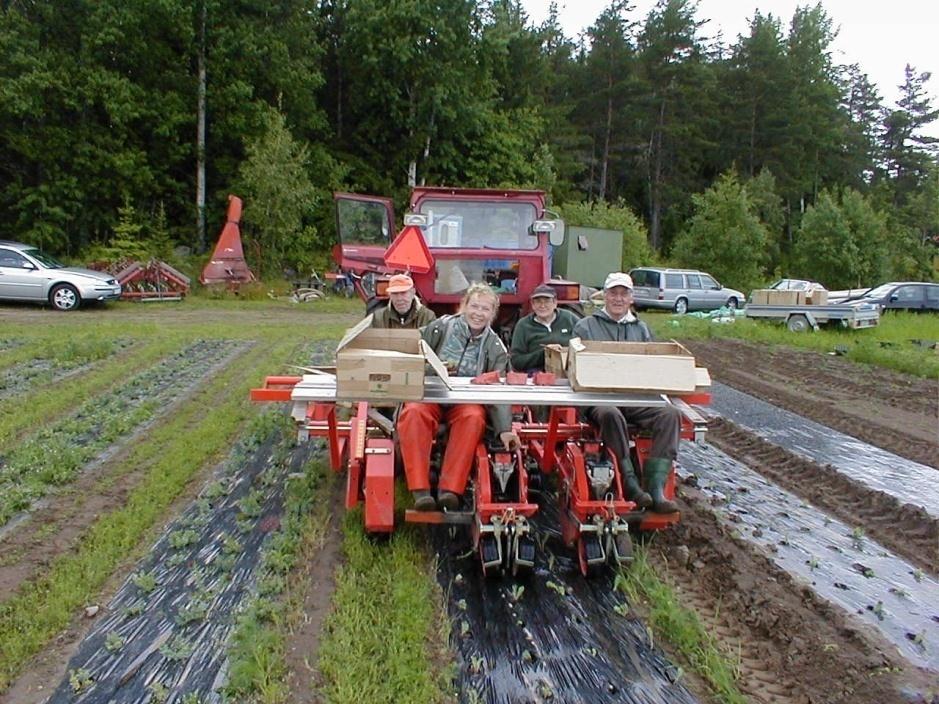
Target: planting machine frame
pixel 596 517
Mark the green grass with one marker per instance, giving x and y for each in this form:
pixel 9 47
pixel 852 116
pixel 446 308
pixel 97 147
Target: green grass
pixel 681 627
pixel 382 639
pixel 888 345
pixel 196 436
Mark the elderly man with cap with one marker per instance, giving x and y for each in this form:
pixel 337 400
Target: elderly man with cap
pixel 616 322
pixel 545 325
pixel 404 310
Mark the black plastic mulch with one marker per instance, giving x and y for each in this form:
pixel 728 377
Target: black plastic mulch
pixel 564 638
pixel 173 638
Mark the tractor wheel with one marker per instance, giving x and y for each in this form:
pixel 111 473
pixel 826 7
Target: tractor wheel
pixel 64 297
pixel 623 545
pixel 681 306
pixel 524 563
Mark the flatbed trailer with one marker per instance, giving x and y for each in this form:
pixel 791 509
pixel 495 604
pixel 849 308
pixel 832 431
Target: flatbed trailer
pixel 802 318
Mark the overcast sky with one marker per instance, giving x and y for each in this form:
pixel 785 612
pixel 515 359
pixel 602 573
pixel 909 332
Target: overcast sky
pixel 882 37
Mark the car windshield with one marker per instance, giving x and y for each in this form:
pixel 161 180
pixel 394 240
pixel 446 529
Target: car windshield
pixel 880 291
pixel 478 225
pixel 44 259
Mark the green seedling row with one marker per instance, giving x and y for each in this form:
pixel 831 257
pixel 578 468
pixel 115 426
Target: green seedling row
pixel 195 437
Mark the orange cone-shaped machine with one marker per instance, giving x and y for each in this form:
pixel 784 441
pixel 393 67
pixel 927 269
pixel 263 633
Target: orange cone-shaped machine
pixel 228 265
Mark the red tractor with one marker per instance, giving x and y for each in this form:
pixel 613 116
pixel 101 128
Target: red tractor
pixel 451 238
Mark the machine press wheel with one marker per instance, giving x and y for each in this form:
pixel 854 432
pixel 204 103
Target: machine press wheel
pixel 590 554
pixel 523 562
pixel 489 555
pixel 623 548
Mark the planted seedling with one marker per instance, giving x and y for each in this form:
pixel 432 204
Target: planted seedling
pixel 461 604
pixel 812 562
pixel 878 610
pixel 175 560
pixel 113 642
pixel 555 587
pixel 516 592
pixel 180 539
pixel 476 664
pixel 159 692
pixel 145 582
pixel 80 680
pixel 622 609
pixel 464 629
pixel 857 537
pixel 251 505
pixel 134 610
pixel 176 649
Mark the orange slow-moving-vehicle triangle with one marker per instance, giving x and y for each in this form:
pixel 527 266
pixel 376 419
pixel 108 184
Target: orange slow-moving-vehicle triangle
pixel 409 251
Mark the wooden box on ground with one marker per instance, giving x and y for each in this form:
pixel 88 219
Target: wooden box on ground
pixel 374 363
pixel 661 367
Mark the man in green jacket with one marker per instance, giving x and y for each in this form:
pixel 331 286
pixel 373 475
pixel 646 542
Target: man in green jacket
pixel 616 322
pixel 403 309
pixel 545 325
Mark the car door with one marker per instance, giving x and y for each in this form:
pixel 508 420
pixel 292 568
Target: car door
pixel 697 298
pixel 910 297
pixel 19 278
pixel 712 293
pixel 932 297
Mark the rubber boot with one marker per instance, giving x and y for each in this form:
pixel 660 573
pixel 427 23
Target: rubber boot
pixel 631 485
pixel 448 500
pixel 654 474
pixel 423 501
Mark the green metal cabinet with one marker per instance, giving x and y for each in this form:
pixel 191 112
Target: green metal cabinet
pixel 588 255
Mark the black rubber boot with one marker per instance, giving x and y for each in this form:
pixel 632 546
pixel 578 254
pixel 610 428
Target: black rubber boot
pixel 448 500
pixel 423 501
pixel 631 485
pixel 654 475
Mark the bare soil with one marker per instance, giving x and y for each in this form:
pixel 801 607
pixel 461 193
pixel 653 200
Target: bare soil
pixel 894 411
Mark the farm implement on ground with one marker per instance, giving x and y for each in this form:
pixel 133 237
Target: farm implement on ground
pixel 597 519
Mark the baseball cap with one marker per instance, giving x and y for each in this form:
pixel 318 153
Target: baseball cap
pixel 399 283
pixel 618 278
pixel 544 291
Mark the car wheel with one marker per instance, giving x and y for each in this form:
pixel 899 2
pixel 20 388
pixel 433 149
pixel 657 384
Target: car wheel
pixel 733 303
pixel 797 323
pixel 64 297
pixel 681 306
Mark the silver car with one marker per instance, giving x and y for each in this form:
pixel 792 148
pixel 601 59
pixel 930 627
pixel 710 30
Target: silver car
pixel 26 274
pixel 681 290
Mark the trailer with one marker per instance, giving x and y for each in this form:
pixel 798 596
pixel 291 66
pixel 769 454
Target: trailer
pixel 799 318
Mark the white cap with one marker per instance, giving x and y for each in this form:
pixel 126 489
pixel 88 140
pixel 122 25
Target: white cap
pixel 618 278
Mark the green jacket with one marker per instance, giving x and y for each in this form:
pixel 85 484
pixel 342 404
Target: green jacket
pixel 417 317
pixel 492 357
pixel 530 337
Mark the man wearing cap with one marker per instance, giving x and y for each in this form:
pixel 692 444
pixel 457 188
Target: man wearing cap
pixel 616 322
pixel 545 325
pixel 403 309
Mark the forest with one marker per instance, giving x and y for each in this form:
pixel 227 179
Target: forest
pixel 125 124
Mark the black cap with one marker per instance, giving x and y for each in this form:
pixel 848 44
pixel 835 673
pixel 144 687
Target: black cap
pixel 544 290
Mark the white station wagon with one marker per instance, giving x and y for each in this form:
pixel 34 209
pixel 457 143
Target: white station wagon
pixel 26 274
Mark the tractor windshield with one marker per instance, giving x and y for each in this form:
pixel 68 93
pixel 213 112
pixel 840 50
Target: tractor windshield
pixel 474 225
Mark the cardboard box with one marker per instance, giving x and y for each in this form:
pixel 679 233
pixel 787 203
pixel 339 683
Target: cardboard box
pixel 374 363
pixel 817 297
pixel 785 298
pixel 555 361
pixel 661 367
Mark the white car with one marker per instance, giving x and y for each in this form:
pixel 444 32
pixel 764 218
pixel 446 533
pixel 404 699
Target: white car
pixel 26 274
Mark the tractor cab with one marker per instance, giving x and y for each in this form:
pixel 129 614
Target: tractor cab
pixel 451 238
